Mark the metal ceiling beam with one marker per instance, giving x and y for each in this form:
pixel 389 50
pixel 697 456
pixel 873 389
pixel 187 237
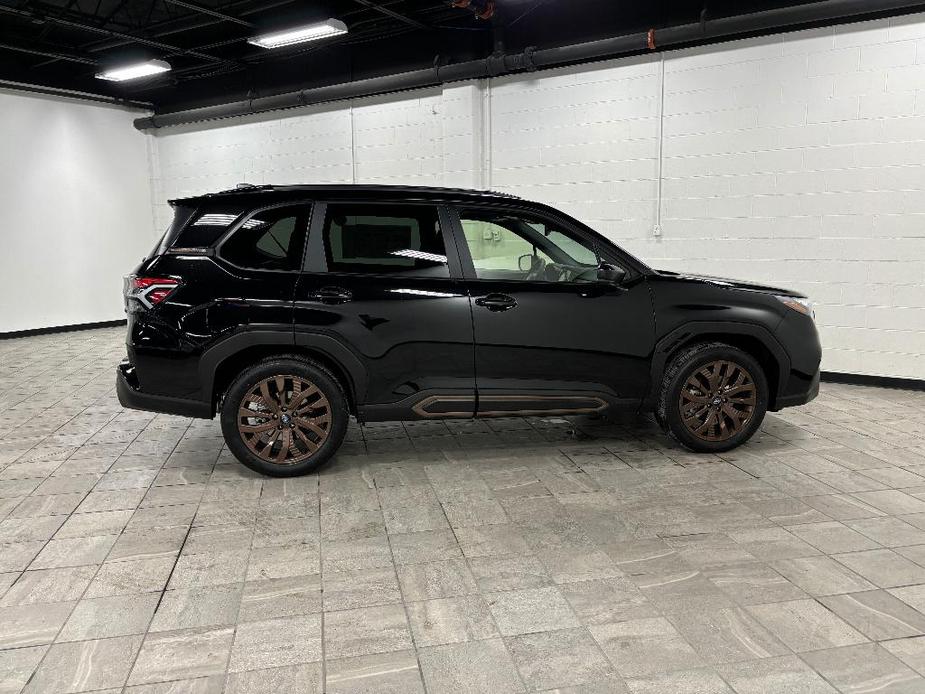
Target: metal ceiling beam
pixel 48 54
pixel 212 13
pixel 176 50
pixel 179 25
pixel 391 13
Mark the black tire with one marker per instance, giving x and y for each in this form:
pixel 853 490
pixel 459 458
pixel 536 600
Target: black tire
pixel 328 409
pixel 723 432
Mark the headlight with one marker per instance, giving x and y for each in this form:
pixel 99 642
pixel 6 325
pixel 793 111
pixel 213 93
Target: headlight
pixel 804 306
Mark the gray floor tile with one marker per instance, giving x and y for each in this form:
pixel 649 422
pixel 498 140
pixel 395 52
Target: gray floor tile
pixel 450 620
pixel 293 679
pixel 365 631
pixel 727 635
pixel 101 618
pixel 557 659
pixel 178 655
pixel 472 667
pixel 129 577
pixel 511 572
pixel 821 576
pixel 866 667
pixel 425 547
pixel 879 615
pixel 32 625
pixel 74 552
pixel 698 681
pixel 280 597
pixel 832 537
pixel 883 567
pixel 190 608
pixel 17 666
pixel 531 610
pixel 911 651
pixel 784 675
pixel 360 588
pixel 276 643
pixel 805 625
pixel 49 585
pixel 443 579
pixel 645 646
pixel 85 666
pixel 386 673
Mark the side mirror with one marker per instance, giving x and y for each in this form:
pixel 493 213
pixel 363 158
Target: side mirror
pixel 525 262
pixel 610 273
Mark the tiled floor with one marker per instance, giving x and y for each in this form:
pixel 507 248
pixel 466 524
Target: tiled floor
pixel 488 557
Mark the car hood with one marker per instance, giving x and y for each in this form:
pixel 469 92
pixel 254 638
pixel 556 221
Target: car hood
pixel 732 284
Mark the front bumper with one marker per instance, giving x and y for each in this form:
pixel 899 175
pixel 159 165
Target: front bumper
pixel 130 396
pixel 801 396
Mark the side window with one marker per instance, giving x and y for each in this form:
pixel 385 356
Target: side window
pixel 269 240
pixel 385 239
pixel 515 246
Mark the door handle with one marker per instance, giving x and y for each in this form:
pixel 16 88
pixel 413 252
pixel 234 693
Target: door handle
pixel 497 302
pixel 332 295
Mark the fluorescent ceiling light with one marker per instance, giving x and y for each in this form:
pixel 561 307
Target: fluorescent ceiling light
pixel 312 32
pixel 131 72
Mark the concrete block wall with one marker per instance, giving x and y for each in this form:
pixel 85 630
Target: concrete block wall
pixel 794 159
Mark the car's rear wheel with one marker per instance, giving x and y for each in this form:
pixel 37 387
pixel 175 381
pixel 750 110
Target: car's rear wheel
pixel 284 417
pixel 713 397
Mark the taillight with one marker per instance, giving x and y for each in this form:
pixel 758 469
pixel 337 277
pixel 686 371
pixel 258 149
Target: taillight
pixel 150 291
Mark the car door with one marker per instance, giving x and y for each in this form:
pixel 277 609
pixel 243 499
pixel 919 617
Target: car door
pixel 550 334
pixel 381 288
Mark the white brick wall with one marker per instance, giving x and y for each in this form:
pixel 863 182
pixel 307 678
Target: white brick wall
pixel 795 160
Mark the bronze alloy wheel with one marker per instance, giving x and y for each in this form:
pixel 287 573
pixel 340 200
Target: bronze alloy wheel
pixel 718 400
pixel 284 420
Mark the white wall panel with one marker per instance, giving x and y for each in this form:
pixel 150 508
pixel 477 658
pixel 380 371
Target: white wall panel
pixel 75 210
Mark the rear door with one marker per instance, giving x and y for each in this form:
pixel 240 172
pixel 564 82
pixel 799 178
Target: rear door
pixel 380 281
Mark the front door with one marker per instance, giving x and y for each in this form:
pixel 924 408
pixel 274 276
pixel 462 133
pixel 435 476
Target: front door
pixel 550 335
pixel 380 282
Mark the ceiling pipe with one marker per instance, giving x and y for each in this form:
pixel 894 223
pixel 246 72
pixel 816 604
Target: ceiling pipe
pixel 531 59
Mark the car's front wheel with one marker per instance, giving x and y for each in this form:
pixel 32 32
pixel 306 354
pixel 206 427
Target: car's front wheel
pixel 713 397
pixel 284 417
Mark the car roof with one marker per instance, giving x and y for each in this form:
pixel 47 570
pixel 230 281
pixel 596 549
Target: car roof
pixel 270 193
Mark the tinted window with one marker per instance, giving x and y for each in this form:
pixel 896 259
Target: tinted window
pixel 269 240
pixel 511 245
pixel 181 215
pixel 385 239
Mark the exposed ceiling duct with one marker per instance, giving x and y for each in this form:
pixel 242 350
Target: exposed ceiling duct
pixel 722 28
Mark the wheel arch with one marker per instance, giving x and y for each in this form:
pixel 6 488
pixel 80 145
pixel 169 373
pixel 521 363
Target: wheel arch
pixel 222 363
pixel 755 340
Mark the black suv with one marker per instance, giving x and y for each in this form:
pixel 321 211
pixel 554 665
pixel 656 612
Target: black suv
pixel 288 308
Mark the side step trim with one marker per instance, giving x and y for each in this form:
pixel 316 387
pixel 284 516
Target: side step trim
pixel 440 406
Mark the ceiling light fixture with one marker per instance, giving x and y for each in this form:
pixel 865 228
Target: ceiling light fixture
pixel 312 32
pixel 136 71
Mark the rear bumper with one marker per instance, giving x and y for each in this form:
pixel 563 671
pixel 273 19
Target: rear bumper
pixel 802 396
pixel 130 396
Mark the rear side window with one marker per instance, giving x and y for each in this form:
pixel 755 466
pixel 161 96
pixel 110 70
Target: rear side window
pixel 268 240
pixel 385 239
pixel 181 215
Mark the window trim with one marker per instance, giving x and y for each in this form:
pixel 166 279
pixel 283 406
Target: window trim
pixel 316 260
pixel 307 206
pixel 604 249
